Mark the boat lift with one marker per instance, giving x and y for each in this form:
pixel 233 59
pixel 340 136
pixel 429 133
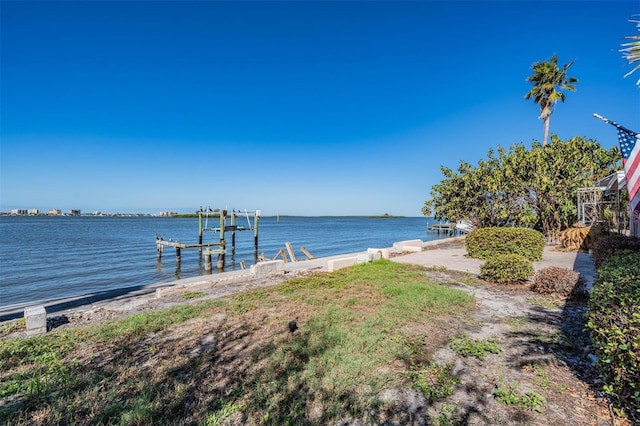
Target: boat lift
pixel 219 248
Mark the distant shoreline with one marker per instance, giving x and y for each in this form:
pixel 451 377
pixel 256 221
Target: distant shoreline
pixel 193 215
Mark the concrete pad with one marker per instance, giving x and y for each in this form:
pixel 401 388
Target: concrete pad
pixel 335 264
pixel 408 246
pixel 36 319
pixel 454 259
pixel 368 257
pixel 264 269
pixel 383 253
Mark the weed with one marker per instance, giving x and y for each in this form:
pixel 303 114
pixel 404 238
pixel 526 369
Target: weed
pixel 193 295
pixel 545 302
pixel 510 395
pixel 435 382
pixel 435 268
pixel 227 410
pixel 466 346
pixel 533 401
pixel 446 416
pixel 542 379
pixel 507 394
pixel 471 280
pixel 516 323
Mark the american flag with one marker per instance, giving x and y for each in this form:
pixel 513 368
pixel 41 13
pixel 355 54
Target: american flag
pixel 630 148
pixel 631 161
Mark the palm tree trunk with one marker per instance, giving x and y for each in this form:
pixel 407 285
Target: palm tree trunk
pixel 545 135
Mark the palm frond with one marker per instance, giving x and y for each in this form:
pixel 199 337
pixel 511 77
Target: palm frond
pixel 631 50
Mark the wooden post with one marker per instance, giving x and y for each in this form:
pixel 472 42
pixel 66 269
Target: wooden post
pixel 207 260
pixel 233 232
pixel 221 256
pixel 256 219
pixel 178 255
pixel 309 255
pixel 200 226
pixel 159 250
pixel 282 253
pixel 292 256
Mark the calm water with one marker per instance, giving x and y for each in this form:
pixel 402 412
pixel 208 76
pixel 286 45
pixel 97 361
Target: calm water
pixel 45 258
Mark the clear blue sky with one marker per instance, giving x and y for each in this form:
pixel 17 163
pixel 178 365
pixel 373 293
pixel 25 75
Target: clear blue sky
pixel 308 108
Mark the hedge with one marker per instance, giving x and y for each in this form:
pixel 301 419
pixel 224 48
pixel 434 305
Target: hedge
pixel 484 243
pixel 614 322
pixel 506 269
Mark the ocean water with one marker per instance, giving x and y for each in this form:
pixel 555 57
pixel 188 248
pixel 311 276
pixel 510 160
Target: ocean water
pixel 47 258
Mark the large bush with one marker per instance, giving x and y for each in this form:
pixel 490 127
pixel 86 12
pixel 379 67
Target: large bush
pixel 614 322
pixel 506 269
pixel 484 243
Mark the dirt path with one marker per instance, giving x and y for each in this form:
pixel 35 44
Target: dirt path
pixel 545 366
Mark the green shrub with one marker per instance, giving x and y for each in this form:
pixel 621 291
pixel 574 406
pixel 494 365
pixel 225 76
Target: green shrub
pixel 606 245
pixel 562 281
pixel 614 323
pixel 484 243
pixel 507 269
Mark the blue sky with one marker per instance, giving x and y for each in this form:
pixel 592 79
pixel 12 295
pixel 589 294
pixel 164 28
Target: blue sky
pixel 310 108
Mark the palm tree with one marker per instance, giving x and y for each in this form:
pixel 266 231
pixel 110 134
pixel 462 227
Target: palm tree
pixel 631 50
pixel 548 80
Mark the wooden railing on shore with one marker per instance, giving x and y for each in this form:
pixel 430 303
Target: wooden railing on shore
pixel 445 228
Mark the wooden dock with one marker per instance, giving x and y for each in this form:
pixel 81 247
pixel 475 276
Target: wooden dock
pixel 217 248
pixel 445 228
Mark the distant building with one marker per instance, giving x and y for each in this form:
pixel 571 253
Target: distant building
pixel 74 212
pixel 19 212
pixel 166 214
pixel 33 212
pixel 55 212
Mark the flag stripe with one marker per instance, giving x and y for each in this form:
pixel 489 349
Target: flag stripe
pixel 636 202
pixel 632 171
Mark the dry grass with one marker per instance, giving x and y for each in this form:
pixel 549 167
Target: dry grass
pixel 360 331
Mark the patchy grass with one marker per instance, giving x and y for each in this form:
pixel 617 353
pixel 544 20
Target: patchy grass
pixel 510 394
pixel 13 326
pixel 360 330
pixel 465 345
pixel 546 302
pixel 435 381
pixel 193 295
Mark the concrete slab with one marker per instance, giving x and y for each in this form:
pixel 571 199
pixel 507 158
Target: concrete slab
pixel 264 269
pixel 36 320
pixel 408 246
pixel 383 253
pixel 335 264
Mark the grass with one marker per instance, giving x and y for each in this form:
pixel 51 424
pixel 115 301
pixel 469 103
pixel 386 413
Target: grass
pixel 193 295
pixel 466 346
pixel 13 326
pixel 361 330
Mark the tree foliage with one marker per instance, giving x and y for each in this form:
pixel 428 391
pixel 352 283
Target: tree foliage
pixel 548 82
pixel 522 187
pixel 631 50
